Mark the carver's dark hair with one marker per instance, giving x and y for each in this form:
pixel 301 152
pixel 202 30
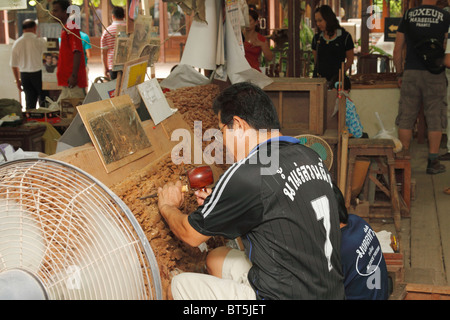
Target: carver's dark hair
pixel 248 102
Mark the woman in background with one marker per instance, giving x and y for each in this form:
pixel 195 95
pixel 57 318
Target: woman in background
pixel 331 45
pixel 255 43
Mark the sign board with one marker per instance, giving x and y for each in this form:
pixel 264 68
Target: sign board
pixel 390 28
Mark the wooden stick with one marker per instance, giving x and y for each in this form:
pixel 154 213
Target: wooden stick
pixel 344 158
pixel 184 188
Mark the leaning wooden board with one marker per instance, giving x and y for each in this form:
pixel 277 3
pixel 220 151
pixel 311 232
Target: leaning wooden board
pixel 87 158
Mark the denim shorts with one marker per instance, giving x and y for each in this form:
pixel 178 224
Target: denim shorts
pixel 420 87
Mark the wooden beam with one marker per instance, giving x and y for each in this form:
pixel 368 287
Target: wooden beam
pixel 4 27
pixel 163 33
pixel 294 64
pixel 364 29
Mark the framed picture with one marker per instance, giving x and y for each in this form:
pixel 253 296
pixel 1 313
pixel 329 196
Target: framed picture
pixel 141 35
pixel 121 50
pixel 151 50
pixel 52 44
pixel 134 72
pixel 49 67
pixel 116 131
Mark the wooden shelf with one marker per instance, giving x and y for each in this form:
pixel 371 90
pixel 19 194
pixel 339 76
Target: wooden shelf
pixel 300 104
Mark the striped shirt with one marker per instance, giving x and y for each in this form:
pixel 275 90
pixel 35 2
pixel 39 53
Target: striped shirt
pixel 108 40
pixel 288 221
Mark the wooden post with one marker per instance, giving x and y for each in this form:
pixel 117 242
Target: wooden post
pixel 162 29
pixel 294 64
pixel 364 29
pixel 4 27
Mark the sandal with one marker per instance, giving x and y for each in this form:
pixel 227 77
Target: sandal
pixel 447 190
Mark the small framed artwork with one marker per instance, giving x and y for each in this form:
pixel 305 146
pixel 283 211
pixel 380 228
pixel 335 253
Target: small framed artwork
pixel 141 35
pixel 134 72
pixel 116 131
pixel 121 51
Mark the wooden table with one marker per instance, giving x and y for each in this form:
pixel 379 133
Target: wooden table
pixel 26 137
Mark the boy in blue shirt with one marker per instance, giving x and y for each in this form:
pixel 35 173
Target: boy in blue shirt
pixel 363 264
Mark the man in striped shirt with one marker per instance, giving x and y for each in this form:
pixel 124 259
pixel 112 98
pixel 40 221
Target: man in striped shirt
pixel 284 210
pixel 108 41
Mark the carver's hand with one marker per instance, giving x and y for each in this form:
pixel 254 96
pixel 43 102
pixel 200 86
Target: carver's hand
pixel 202 195
pixel 170 195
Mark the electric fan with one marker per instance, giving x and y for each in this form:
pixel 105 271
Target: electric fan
pixel 65 236
pixel 320 146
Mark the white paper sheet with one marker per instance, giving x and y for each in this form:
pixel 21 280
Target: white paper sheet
pixel 184 76
pixel 237 67
pixel 155 101
pixel 200 48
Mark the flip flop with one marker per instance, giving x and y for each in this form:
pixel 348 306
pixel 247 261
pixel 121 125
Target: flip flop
pixel 447 190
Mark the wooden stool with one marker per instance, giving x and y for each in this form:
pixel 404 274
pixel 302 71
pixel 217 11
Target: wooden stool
pixel 404 164
pixel 383 148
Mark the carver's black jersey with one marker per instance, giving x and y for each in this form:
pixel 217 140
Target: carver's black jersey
pixel 287 220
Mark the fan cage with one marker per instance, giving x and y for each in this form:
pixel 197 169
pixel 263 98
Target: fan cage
pixel 73 234
pixel 319 145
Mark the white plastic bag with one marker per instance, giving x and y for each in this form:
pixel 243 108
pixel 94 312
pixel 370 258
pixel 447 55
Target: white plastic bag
pixel 384 134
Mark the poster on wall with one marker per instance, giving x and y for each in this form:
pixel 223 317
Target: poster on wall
pixel 49 67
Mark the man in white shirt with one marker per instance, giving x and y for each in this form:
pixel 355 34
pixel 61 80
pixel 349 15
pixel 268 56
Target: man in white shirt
pixel 26 64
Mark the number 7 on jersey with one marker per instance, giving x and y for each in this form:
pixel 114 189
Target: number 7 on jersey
pixel 321 207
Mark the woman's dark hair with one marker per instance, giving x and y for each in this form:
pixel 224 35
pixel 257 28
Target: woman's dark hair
pixel 330 18
pixel 118 12
pixel 342 210
pixel 255 17
pixel 335 79
pixel 249 103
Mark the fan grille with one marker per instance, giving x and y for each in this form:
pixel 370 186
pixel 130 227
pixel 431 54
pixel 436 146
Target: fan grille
pixel 70 231
pixel 320 146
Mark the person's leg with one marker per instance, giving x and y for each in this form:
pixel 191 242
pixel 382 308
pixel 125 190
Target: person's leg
pixel 37 82
pixel 198 286
pixel 215 260
pixel 228 270
pixel 409 106
pixel 31 96
pixel 405 136
pixel 446 156
pixel 434 141
pixel 434 89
